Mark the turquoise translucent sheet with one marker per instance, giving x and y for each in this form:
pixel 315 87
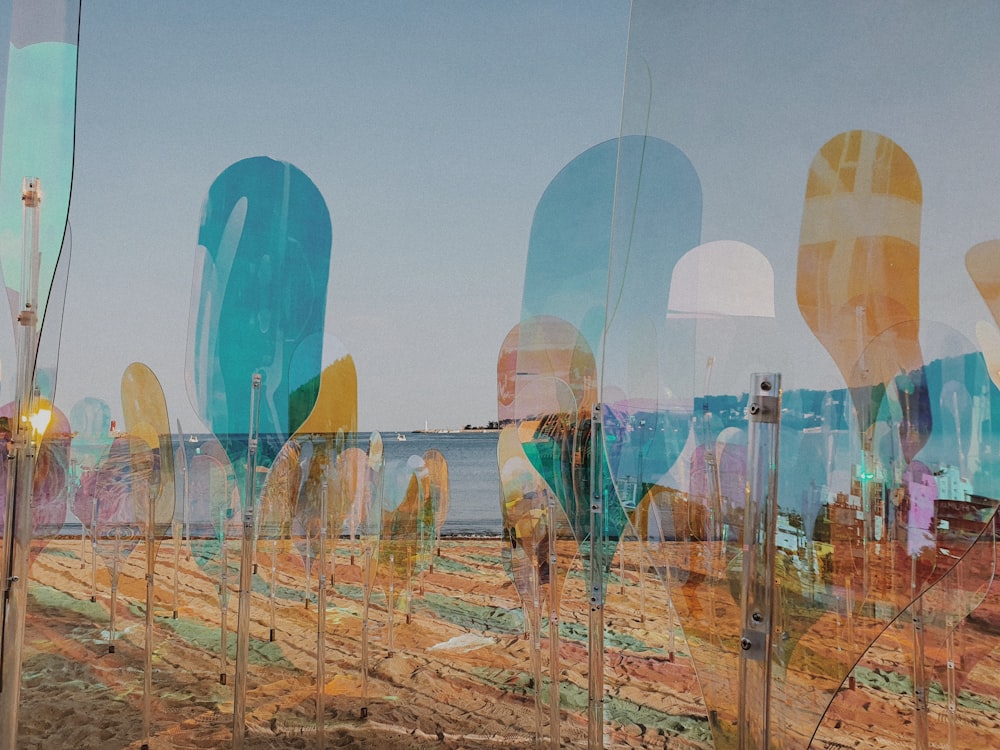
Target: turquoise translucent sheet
pixel 259 296
pixel 38 127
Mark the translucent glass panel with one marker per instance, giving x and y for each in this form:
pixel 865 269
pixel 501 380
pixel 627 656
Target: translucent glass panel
pixel 259 297
pixel 38 126
pixel 835 221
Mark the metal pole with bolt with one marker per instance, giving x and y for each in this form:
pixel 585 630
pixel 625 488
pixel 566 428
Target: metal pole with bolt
pixel 759 529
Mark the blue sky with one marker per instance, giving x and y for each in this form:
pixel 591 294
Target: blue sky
pixel 431 129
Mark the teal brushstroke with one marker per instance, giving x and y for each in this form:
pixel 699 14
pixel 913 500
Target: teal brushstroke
pixel 259 302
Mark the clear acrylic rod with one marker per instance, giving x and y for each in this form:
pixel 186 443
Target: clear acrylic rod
pixel 246 567
pixel 595 645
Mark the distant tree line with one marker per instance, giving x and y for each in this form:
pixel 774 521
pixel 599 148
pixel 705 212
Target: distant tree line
pixel 489 426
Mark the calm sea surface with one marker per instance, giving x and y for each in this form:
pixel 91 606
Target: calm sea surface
pixel 472 474
pixel 474 480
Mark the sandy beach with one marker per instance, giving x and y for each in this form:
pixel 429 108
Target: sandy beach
pixel 458 674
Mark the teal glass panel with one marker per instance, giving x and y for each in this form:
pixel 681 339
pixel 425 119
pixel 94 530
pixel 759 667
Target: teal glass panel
pixel 565 275
pixel 38 132
pixel 657 220
pixel 259 296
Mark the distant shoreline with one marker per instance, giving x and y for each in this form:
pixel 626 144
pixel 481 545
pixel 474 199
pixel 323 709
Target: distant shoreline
pixel 453 432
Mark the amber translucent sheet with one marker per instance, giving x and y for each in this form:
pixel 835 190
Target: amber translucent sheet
pixel 546 385
pixel 859 263
pixel 437 467
pixel 145 411
pixel 307 478
pixel 546 382
pixel 404 498
pixel 982 262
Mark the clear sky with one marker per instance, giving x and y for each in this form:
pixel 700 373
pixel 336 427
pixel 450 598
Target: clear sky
pixel 431 129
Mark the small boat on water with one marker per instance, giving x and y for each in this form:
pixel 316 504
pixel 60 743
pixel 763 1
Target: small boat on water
pixel 400 437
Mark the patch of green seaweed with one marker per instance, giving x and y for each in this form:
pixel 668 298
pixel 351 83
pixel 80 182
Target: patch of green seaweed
pixel 902 684
pixel 453 566
pixel 262 653
pixel 485 559
pixel 577 631
pixel 46 596
pixel 472 616
pixel 616 710
pixel 59 552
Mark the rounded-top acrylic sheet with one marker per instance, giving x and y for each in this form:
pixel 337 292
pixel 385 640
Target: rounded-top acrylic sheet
pixel 845 177
pixel 258 299
pixel 144 408
pixel 39 118
pixel 52 484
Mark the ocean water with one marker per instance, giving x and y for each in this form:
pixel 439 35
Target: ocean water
pixel 472 473
pixel 474 508
pixel 473 476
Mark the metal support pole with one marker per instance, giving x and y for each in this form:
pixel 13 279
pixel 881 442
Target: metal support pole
pixel 760 525
pixel 321 620
pixel 595 644
pixel 147 672
pixel 20 475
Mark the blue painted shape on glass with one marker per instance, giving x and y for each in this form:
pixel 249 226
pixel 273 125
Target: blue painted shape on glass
pixel 566 273
pixel 657 220
pixel 610 227
pixel 259 298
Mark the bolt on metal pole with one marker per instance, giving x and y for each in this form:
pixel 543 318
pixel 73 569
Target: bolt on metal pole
pixel 757 603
